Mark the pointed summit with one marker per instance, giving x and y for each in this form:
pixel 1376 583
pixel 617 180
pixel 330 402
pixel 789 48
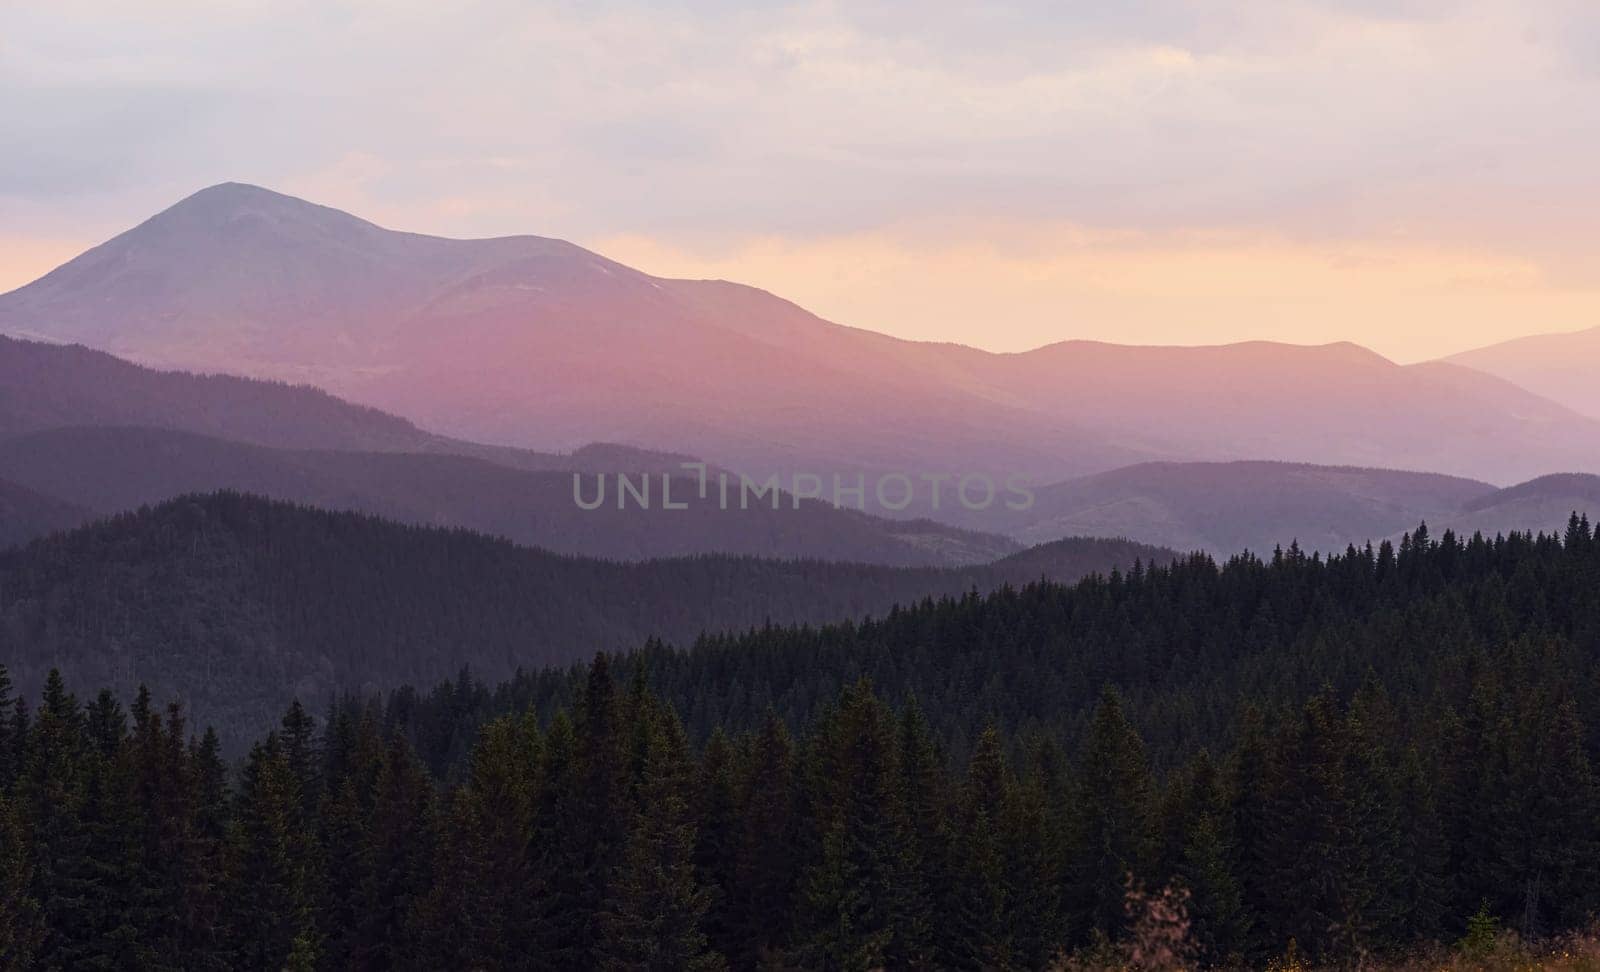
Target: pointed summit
pixel 539 343
pixel 216 204
pixel 233 270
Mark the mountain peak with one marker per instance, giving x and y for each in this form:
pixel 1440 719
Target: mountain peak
pixel 215 206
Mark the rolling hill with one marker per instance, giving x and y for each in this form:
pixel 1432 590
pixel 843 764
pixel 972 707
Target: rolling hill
pixel 47 386
pixel 1538 504
pixel 1223 508
pixel 235 604
pixel 112 469
pixel 26 514
pixel 539 343
pixel 1561 367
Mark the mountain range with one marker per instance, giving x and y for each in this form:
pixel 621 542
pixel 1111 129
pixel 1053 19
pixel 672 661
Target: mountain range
pixel 538 343
pixel 70 454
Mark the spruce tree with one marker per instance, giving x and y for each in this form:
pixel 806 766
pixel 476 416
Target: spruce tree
pixel 22 928
pixel 1110 819
pixel 652 917
pixel 928 883
pixel 558 890
pixel 767 864
pixel 716 809
pixel 202 929
pixel 398 855
pixel 860 821
pixel 269 910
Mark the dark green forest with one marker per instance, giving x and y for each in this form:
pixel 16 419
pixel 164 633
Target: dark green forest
pixel 1359 755
pixel 235 604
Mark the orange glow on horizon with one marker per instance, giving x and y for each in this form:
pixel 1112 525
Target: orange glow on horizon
pixel 1407 302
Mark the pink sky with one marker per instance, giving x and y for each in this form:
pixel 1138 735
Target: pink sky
pixel 1420 176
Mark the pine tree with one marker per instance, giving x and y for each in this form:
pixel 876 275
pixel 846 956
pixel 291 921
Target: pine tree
pixel 1032 875
pixel 203 929
pixel 398 853
pixel 766 866
pixel 1554 839
pixel 505 781
pixel 977 936
pixel 653 914
pixel 22 927
pixel 342 825
pixel 50 799
pixel 602 802
pixel 716 845
pixel 1110 820
pixel 927 881
pixel 557 893
pixel 1248 791
pixel 456 921
pixel 297 736
pixel 1204 864
pixel 268 905
pixel 1420 880
pixel 859 818
pixel 1318 875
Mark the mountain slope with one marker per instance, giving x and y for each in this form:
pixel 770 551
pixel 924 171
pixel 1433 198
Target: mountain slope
pixel 26 514
pixel 1336 404
pixel 1538 504
pixel 234 604
pixel 109 470
pixel 1560 367
pixel 1223 508
pixel 540 343
pixel 521 340
pixel 44 386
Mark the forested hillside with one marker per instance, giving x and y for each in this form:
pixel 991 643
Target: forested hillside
pixel 1344 761
pixel 235 604
pixel 1185 644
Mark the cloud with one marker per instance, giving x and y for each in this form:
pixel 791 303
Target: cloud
pixel 1460 123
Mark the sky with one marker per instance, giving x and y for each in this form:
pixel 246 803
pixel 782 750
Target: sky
pixel 1418 176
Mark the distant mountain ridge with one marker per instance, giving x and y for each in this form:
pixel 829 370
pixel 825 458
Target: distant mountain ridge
pixel 1562 367
pixel 1223 508
pixel 1537 504
pixel 45 386
pixel 89 434
pixel 113 469
pixel 540 343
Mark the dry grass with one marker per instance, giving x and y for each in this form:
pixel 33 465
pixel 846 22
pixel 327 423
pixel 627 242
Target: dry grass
pixel 1578 952
pixel 1159 940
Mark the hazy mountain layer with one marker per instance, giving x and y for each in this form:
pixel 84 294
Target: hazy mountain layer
pixel 540 343
pixel 1223 508
pixel 109 470
pixel 1564 368
pixel 1538 504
